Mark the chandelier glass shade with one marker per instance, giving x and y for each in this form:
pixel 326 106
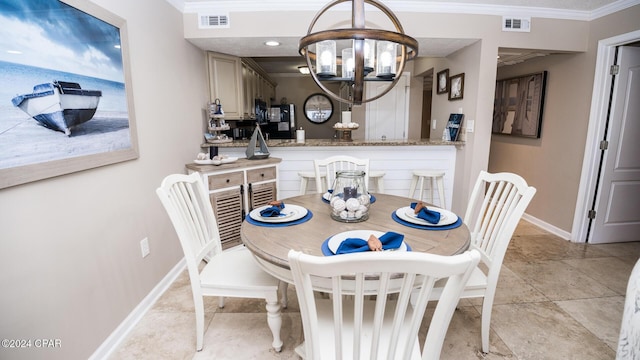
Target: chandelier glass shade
pixel 367 50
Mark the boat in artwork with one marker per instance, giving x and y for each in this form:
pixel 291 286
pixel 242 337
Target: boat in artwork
pixel 59 105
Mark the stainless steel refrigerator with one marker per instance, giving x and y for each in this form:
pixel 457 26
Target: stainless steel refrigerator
pixel 282 122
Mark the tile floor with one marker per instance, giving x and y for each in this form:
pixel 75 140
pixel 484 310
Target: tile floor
pixel 555 300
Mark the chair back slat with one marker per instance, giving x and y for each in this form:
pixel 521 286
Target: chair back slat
pixel 331 165
pixel 496 205
pixel 186 201
pixel 386 326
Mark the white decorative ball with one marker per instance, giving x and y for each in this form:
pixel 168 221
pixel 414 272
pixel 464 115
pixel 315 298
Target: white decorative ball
pixel 363 199
pixel 343 214
pixel 363 209
pixel 359 214
pixel 352 204
pixel 339 204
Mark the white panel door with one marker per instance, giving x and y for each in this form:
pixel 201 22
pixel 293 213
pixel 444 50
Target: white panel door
pixel 388 116
pixel 618 201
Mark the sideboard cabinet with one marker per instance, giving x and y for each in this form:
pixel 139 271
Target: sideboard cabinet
pixel 237 188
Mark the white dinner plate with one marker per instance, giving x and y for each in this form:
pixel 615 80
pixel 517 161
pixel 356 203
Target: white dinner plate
pixel 289 213
pixel 408 214
pixel 334 242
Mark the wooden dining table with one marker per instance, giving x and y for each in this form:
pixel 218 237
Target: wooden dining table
pixel 271 244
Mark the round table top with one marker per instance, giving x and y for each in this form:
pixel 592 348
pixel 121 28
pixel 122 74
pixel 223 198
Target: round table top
pixel 271 245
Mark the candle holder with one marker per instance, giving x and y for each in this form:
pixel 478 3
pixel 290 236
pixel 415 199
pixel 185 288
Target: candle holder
pixel 349 200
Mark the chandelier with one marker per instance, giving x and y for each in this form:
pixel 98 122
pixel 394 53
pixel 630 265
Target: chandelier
pixel 366 50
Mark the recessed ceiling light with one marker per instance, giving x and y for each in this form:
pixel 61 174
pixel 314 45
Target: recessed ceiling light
pixel 14 52
pixel 272 43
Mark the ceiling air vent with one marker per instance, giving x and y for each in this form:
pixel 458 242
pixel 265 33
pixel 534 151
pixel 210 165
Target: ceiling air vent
pixel 521 24
pixel 218 21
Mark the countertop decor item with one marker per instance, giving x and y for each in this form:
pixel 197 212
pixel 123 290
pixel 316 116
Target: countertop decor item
pixel 381 50
pixel 257 148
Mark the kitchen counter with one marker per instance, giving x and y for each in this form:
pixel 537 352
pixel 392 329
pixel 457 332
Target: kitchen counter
pixel 272 143
pixel 396 159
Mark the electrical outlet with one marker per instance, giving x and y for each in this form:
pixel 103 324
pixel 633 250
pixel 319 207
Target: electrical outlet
pixel 144 247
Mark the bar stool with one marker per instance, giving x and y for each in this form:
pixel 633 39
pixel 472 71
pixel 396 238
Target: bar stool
pixel 304 180
pixel 437 179
pixel 376 178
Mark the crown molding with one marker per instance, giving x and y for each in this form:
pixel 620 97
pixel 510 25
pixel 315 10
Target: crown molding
pixel 612 8
pixel 405 6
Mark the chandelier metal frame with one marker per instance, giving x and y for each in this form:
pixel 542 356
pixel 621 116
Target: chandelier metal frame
pixel 358 33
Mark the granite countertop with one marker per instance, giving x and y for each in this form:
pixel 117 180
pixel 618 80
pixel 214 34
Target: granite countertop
pixel 332 142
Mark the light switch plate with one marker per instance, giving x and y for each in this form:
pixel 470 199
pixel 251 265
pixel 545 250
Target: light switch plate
pixel 144 247
pixel 470 125
pixel 433 124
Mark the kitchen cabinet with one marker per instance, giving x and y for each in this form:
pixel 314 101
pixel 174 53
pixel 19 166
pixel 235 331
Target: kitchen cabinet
pixel 237 188
pixel 237 82
pixel 225 83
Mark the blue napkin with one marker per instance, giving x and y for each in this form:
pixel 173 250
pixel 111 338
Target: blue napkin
pixel 426 214
pixel 389 240
pixel 272 211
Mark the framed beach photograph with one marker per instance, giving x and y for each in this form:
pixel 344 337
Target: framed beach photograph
pixel 442 82
pixel 456 87
pixel 518 105
pixel 66 102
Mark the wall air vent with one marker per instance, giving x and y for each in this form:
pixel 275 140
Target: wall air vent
pixel 519 24
pixel 209 21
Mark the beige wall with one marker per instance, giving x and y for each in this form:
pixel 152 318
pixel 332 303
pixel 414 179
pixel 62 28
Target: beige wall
pixel 553 163
pixel 70 246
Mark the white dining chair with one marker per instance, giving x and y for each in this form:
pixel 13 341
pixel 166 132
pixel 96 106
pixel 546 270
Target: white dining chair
pixel 229 273
pixel 329 166
pixel 497 204
pixel 360 326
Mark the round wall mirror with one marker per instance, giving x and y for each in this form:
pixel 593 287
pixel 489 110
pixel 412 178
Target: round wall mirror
pixel 318 108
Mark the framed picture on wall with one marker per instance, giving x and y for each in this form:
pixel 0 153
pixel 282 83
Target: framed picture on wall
pixel 518 105
pixel 66 100
pixel 456 87
pixel 442 81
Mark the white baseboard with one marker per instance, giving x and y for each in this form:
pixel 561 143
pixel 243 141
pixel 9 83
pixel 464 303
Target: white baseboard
pixel 123 330
pixel 547 227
